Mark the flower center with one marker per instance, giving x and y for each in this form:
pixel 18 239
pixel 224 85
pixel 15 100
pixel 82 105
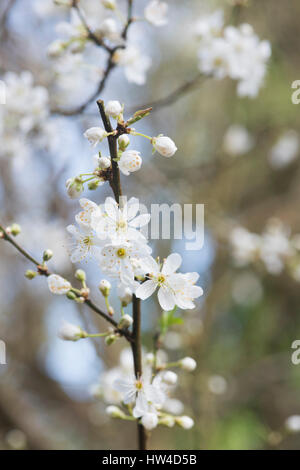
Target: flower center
pixel 121 252
pixel 87 241
pixel 121 225
pixel 161 279
pixel 138 385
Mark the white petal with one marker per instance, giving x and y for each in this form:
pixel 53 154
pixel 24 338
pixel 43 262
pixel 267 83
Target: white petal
pixel 166 299
pixel 131 208
pixel 172 263
pixel 145 290
pixel 111 208
pixel 141 405
pixel 140 221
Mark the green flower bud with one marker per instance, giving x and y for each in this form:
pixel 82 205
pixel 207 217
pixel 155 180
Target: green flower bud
pixel 47 255
pixel 15 229
pixel 30 274
pixel 110 339
pixel 93 185
pixel 71 295
pixel 80 275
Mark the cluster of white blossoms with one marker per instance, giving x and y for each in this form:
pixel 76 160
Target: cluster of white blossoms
pixel 275 248
pixel 24 120
pixel 149 397
pixel 94 24
pixel 235 52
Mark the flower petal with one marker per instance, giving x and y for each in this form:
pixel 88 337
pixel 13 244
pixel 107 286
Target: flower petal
pixel 172 263
pixel 145 290
pixel 166 299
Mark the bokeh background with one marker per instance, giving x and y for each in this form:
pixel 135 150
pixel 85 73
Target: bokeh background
pixel 245 386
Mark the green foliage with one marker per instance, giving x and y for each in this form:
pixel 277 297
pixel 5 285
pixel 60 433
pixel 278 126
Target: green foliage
pixel 168 319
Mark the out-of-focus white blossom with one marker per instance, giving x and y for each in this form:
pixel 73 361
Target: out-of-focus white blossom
pixel 185 422
pixel 155 12
pixel 237 140
pixel 135 64
pixel 293 423
pixel 95 135
pixel 70 332
pixel 188 363
pixel 210 25
pixel 217 384
pixel 104 163
pixel 285 151
pixel 149 421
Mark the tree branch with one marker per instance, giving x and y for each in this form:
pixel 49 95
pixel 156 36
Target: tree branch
pixel 45 272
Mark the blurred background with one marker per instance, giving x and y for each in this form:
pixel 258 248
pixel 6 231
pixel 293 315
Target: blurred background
pixel 238 156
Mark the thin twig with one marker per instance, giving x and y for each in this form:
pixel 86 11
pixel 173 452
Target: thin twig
pixel 45 272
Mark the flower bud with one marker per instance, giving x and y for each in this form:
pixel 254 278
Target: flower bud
pixel 80 275
pixel 113 109
pixel 58 285
pixel 109 4
pixel 80 300
pixel 93 185
pixel 125 295
pixel 95 135
pixel 149 421
pixel 104 163
pixel 188 363
pixel 168 421
pixel 74 187
pixel 164 145
pixel 110 339
pixel 69 332
pixel 130 161
pixel 150 358
pixel 185 422
pixel 15 229
pixel 71 295
pixel 125 322
pixel 169 377
pixel 123 142
pixel 47 255
pixel 30 274
pixel 114 412
pixel 111 311
pixel 105 287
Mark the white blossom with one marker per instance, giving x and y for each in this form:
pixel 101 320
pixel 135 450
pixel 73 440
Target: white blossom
pixel 210 25
pixel 124 294
pixel 169 377
pixel 173 288
pixel 185 422
pixel 188 363
pixel 155 12
pixel 85 244
pixel 164 145
pixel 149 421
pixel 70 332
pixel 130 161
pixel 285 151
pixel 104 163
pixel 293 423
pixel 95 135
pixel 135 64
pixel 58 285
pixel 113 108
pixel 126 321
pixel 237 140
pixel 74 188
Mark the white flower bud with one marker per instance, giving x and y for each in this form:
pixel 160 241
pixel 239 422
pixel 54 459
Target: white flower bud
pixel 113 109
pixel 95 135
pixel 123 142
pixel 56 48
pixel 125 295
pixel 114 412
pixel 185 422
pixel 293 423
pixel 168 421
pixel 74 187
pixel 164 145
pixel 58 285
pixel 110 4
pixel 80 275
pixel 125 322
pixel 188 363
pixel 104 163
pixel 109 29
pixel 169 377
pixel 47 255
pixel 149 421
pixel 70 332
pixel 155 13
pixel 130 161
pixel 150 358
pixel 105 287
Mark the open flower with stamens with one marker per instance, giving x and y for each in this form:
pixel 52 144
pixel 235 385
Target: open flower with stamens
pixel 120 224
pixel 130 161
pixel 118 260
pixel 173 288
pixel 88 208
pixel 85 243
pixel 146 395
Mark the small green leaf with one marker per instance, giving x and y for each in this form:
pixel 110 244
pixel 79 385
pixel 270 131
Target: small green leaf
pixel 138 115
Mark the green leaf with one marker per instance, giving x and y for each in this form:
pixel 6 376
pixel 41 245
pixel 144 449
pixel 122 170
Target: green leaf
pixel 168 319
pixel 138 115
